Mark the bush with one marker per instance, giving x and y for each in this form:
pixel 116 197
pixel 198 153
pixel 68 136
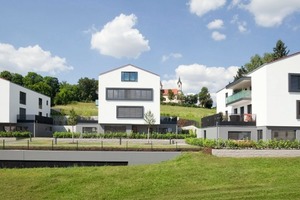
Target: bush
pixel 18 134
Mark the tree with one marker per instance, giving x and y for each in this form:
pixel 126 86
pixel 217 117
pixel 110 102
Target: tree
pixel 191 99
pixel 240 73
pixel 67 93
pixel 17 79
pixel 31 79
pixel 204 98
pixel 87 89
pixel 72 120
pixel 255 62
pixel 280 50
pixel 170 95
pixel 6 75
pixel 54 85
pixel 149 120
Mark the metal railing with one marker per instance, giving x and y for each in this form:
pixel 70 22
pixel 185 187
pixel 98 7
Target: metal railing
pixel 244 94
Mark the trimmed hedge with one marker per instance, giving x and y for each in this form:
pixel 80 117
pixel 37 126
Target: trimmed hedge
pixel 123 135
pixel 19 134
pixel 243 144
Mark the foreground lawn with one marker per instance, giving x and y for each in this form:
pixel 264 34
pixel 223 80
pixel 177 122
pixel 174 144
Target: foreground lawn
pixel 190 176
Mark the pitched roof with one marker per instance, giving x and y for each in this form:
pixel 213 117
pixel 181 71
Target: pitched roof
pixel 166 91
pixel 127 66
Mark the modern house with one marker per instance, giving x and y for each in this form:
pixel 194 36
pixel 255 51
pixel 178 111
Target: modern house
pixel 125 95
pixel 22 109
pixel 265 104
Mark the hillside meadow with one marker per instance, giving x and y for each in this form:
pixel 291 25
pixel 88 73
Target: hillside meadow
pixel 90 109
pixel 189 176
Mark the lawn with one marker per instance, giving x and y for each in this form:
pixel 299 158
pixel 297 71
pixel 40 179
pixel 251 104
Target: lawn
pixel 90 109
pixel 190 176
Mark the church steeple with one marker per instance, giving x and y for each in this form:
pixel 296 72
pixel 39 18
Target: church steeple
pixel 179 84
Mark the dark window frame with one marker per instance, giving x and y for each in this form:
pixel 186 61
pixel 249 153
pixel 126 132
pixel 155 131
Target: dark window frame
pixel 40 103
pixel 22 113
pixel 298 109
pixel 22 98
pixel 129 117
pixel 291 89
pixel 129 76
pixel 126 94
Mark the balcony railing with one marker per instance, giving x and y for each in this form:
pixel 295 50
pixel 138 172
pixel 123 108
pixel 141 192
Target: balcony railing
pixel 244 94
pixel 231 119
pixel 35 119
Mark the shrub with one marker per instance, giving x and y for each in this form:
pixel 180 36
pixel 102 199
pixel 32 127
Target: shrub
pixel 19 134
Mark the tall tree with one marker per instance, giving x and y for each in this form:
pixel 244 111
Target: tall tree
pixel 17 79
pixel 150 121
pixel 240 73
pixel 191 99
pixel 280 50
pixel 87 89
pixel 54 85
pixel 31 79
pixel 67 93
pixel 171 95
pixel 255 62
pixel 6 75
pixel 204 98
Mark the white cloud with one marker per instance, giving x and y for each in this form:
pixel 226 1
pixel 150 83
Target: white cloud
pixel 31 58
pixel 196 76
pixel 268 13
pixel 242 25
pixel 201 7
pixel 216 24
pixel 119 39
pixel 234 3
pixel 218 36
pixel 171 55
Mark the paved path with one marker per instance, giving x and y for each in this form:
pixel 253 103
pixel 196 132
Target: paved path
pixel 255 153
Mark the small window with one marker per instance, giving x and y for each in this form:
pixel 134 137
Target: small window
pixel 40 103
pixel 47 103
pixel 294 82
pixel 47 115
pixel 22 113
pixel 204 134
pixel 23 98
pixel 40 113
pixel 259 135
pixel 235 111
pixel 129 76
pixel 298 109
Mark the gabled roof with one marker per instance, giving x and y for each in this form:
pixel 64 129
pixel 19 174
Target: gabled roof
pixel 127 66
pixel 166 91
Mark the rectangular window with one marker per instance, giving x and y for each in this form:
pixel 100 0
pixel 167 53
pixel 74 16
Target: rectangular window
pixel 40 103
pixel 23 98
pixel 89 129
pixel 204 134
pixel 22 113
pixel 130 112
pixel 283 135
pixel 47 102
pixel 129 76
pixel 235 111
pixel 259 135
pixel 40 113
pixel 239 135
pixel 294 82
pixel 298 109
pixel 129 94
pixel 113 129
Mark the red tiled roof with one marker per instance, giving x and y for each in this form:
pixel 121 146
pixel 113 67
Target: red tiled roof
pixel 165 91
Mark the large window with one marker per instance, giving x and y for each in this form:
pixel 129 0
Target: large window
pixel 129 76
pixel 113 129
pixel 23 98
pixel 294 82
pixel 22 113
pixel 284 134
pixel 129 94
pixel 89 129
pixel 130 112
pixel 239 135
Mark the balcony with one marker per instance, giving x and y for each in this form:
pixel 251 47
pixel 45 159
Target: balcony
pixel 34 119
pixel 232 120
pixel 239 96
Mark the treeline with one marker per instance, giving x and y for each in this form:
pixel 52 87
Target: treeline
pixel 61 93
pixel 279 51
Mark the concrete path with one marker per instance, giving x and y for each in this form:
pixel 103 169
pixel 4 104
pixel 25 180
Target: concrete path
pixel 255 153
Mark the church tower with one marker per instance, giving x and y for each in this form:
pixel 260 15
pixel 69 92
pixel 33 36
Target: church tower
pixel 179 84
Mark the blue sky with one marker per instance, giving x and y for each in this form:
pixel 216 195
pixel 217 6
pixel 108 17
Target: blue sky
pixel 202 41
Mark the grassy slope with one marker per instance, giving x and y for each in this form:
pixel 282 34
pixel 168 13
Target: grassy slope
pixel 191 176
pixel 89 109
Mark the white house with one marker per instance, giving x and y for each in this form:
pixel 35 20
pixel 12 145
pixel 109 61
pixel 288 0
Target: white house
pixel 263 105
pixel 125 95
pixel 23 109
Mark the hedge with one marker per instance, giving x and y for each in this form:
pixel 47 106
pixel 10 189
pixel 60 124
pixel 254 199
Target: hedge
pixel 243 144
pixel 123 135
pixel 19 134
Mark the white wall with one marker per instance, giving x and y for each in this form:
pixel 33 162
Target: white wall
pixel 107 108
pixel 271 100
pixel 12 106
pixel 221 101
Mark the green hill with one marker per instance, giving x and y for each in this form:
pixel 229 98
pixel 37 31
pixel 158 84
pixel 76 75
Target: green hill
pixel 90 109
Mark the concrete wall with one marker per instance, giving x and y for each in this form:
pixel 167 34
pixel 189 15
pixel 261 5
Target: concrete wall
pixel 132 157
pixel 255 153
pixel 221 132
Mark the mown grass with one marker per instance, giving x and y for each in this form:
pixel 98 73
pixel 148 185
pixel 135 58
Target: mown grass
pixel 186 112
pixel 190 176
pixel 90 109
